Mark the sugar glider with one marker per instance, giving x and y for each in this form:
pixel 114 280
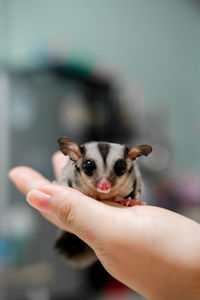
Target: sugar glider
pixel 100 170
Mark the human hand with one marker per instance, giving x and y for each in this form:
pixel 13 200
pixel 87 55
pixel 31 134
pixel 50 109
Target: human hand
pixel 152 250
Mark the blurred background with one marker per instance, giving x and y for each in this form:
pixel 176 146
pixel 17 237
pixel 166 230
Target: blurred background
pixel 123 71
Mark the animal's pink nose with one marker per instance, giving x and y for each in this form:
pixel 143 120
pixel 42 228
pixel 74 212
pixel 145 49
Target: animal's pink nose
pixel 103 185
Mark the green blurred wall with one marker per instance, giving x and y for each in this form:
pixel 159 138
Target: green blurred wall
pixel 2 31
pixel 156 42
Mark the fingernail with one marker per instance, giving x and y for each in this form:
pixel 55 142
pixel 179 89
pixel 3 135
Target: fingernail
pixel 39 200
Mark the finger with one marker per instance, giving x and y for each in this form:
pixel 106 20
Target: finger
pixel 79 214
pixel 58 161
pixel 26 179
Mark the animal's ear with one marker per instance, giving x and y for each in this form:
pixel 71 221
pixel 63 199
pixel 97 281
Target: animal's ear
pixel 138 151
pixel 69 147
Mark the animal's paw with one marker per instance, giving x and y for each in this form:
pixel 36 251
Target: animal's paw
pixel 128 202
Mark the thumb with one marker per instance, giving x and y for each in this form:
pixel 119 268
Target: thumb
pixel 71 210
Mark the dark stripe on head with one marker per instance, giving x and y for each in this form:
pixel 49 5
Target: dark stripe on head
pixel 104 150
pixel 126 150
pixel 82 148
pixel 77 168
pixel 134 188
pixel 69 183
pixel 130 170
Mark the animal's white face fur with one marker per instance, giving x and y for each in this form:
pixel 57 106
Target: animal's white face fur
pixel 104 157
pixel 103 170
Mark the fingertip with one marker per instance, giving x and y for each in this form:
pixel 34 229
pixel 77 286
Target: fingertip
pixel 58 156
pixel 26 179
pixel 11 173
pixel 14 172
pixel 58 161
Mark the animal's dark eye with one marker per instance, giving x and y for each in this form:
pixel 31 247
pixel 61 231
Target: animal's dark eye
pixel 88 167
pixel 120 167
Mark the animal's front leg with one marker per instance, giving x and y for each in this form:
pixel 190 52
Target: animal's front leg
pixel 128 201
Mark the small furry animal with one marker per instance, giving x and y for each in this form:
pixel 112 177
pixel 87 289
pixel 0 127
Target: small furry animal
pixel 100 170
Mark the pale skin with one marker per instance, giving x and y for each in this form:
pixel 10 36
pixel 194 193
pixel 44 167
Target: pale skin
pixel 152 250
